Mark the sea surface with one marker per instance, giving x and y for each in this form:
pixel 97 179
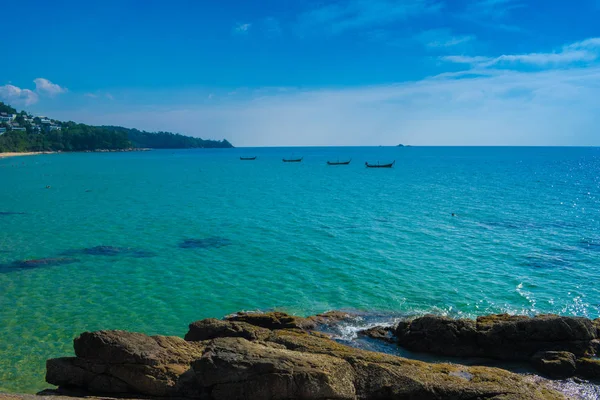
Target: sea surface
pixel 151 241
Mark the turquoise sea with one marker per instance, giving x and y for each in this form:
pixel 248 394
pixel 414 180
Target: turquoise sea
pixel 199 233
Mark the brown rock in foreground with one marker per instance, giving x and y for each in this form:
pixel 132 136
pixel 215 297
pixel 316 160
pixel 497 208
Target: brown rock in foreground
pixel 269 356
pixel 555 364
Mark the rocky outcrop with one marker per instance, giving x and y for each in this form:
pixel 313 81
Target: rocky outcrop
pixel 211 328
pixel 280 320
pixel 379 332
pixel 552 343
pixel 555 364
pixel 273 320
pixel 588 367
pixel 124 362
pixel 268 356
pixel 499 336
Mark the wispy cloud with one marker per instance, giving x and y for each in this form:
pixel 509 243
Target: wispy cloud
pixel 442 38
pixel 592 43
pixel 44 86
pixel 241 29
pixel 15 95
pixel 99 95
pixel 500 107
pixel 585 51
pixel 493 14
pixel 466 59
pixel 347 15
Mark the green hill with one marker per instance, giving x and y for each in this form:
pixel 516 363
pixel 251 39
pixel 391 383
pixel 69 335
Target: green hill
pixel 25 132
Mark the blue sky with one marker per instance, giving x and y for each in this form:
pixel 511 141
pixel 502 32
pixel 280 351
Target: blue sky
pixel 287 72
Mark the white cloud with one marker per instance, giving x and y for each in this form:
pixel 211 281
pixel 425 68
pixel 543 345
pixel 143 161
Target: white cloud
pixel 91 95
pixel 583 52
pixel 15 95
pixel 592 43
pixel 241 29
pixel 542 59
pixel 109 96
pixel 44 86
pixel 466 59
pixel 555 107
pixel 489 102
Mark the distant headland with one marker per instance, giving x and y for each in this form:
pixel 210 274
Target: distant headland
pixel 21 132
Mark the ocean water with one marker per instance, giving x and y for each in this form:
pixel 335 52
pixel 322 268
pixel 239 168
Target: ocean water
pixel 199 233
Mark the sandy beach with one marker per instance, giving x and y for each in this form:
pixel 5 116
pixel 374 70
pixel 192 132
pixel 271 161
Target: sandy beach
pixel 31 153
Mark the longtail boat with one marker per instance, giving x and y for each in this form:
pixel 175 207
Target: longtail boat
pixel 339 162
pixel 292 159
pixel 390 165
pixel 248 158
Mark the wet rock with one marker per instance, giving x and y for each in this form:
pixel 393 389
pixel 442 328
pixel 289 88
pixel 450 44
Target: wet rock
pixel 555 364
pixel 383 333
pixel 214 242
pixel 273 320
pixel 588 368
pixel 498 336
pixel 213 328
pixel 330 317
pixel 282 363
pixel 440 335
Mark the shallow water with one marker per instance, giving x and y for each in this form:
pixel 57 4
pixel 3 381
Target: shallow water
pixel 302 237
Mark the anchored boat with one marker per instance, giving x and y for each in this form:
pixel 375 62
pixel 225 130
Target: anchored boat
pixel 338 162
pixel 390 165
pixel 292 159
pixel 248 158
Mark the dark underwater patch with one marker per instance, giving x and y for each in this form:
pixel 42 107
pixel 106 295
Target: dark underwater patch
pixel 36 263
pixel 590 244
pixel 507 224
pixel 214 242
pixel 546 262
pixel 112 251
pixel 11 213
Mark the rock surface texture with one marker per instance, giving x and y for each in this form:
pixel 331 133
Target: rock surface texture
pixel 556 345
pixel 269 356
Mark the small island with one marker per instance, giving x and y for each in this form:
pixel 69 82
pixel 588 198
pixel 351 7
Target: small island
pixel 21 132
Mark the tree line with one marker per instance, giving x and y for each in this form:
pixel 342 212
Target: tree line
pixel 80 137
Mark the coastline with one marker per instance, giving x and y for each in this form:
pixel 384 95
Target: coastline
pixel 35 153
pixel 27 153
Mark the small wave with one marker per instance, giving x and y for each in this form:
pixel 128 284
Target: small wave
pixel 527 295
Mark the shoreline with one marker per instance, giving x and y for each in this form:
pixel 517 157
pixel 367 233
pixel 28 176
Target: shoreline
pixel 35 153
pixel 27 153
